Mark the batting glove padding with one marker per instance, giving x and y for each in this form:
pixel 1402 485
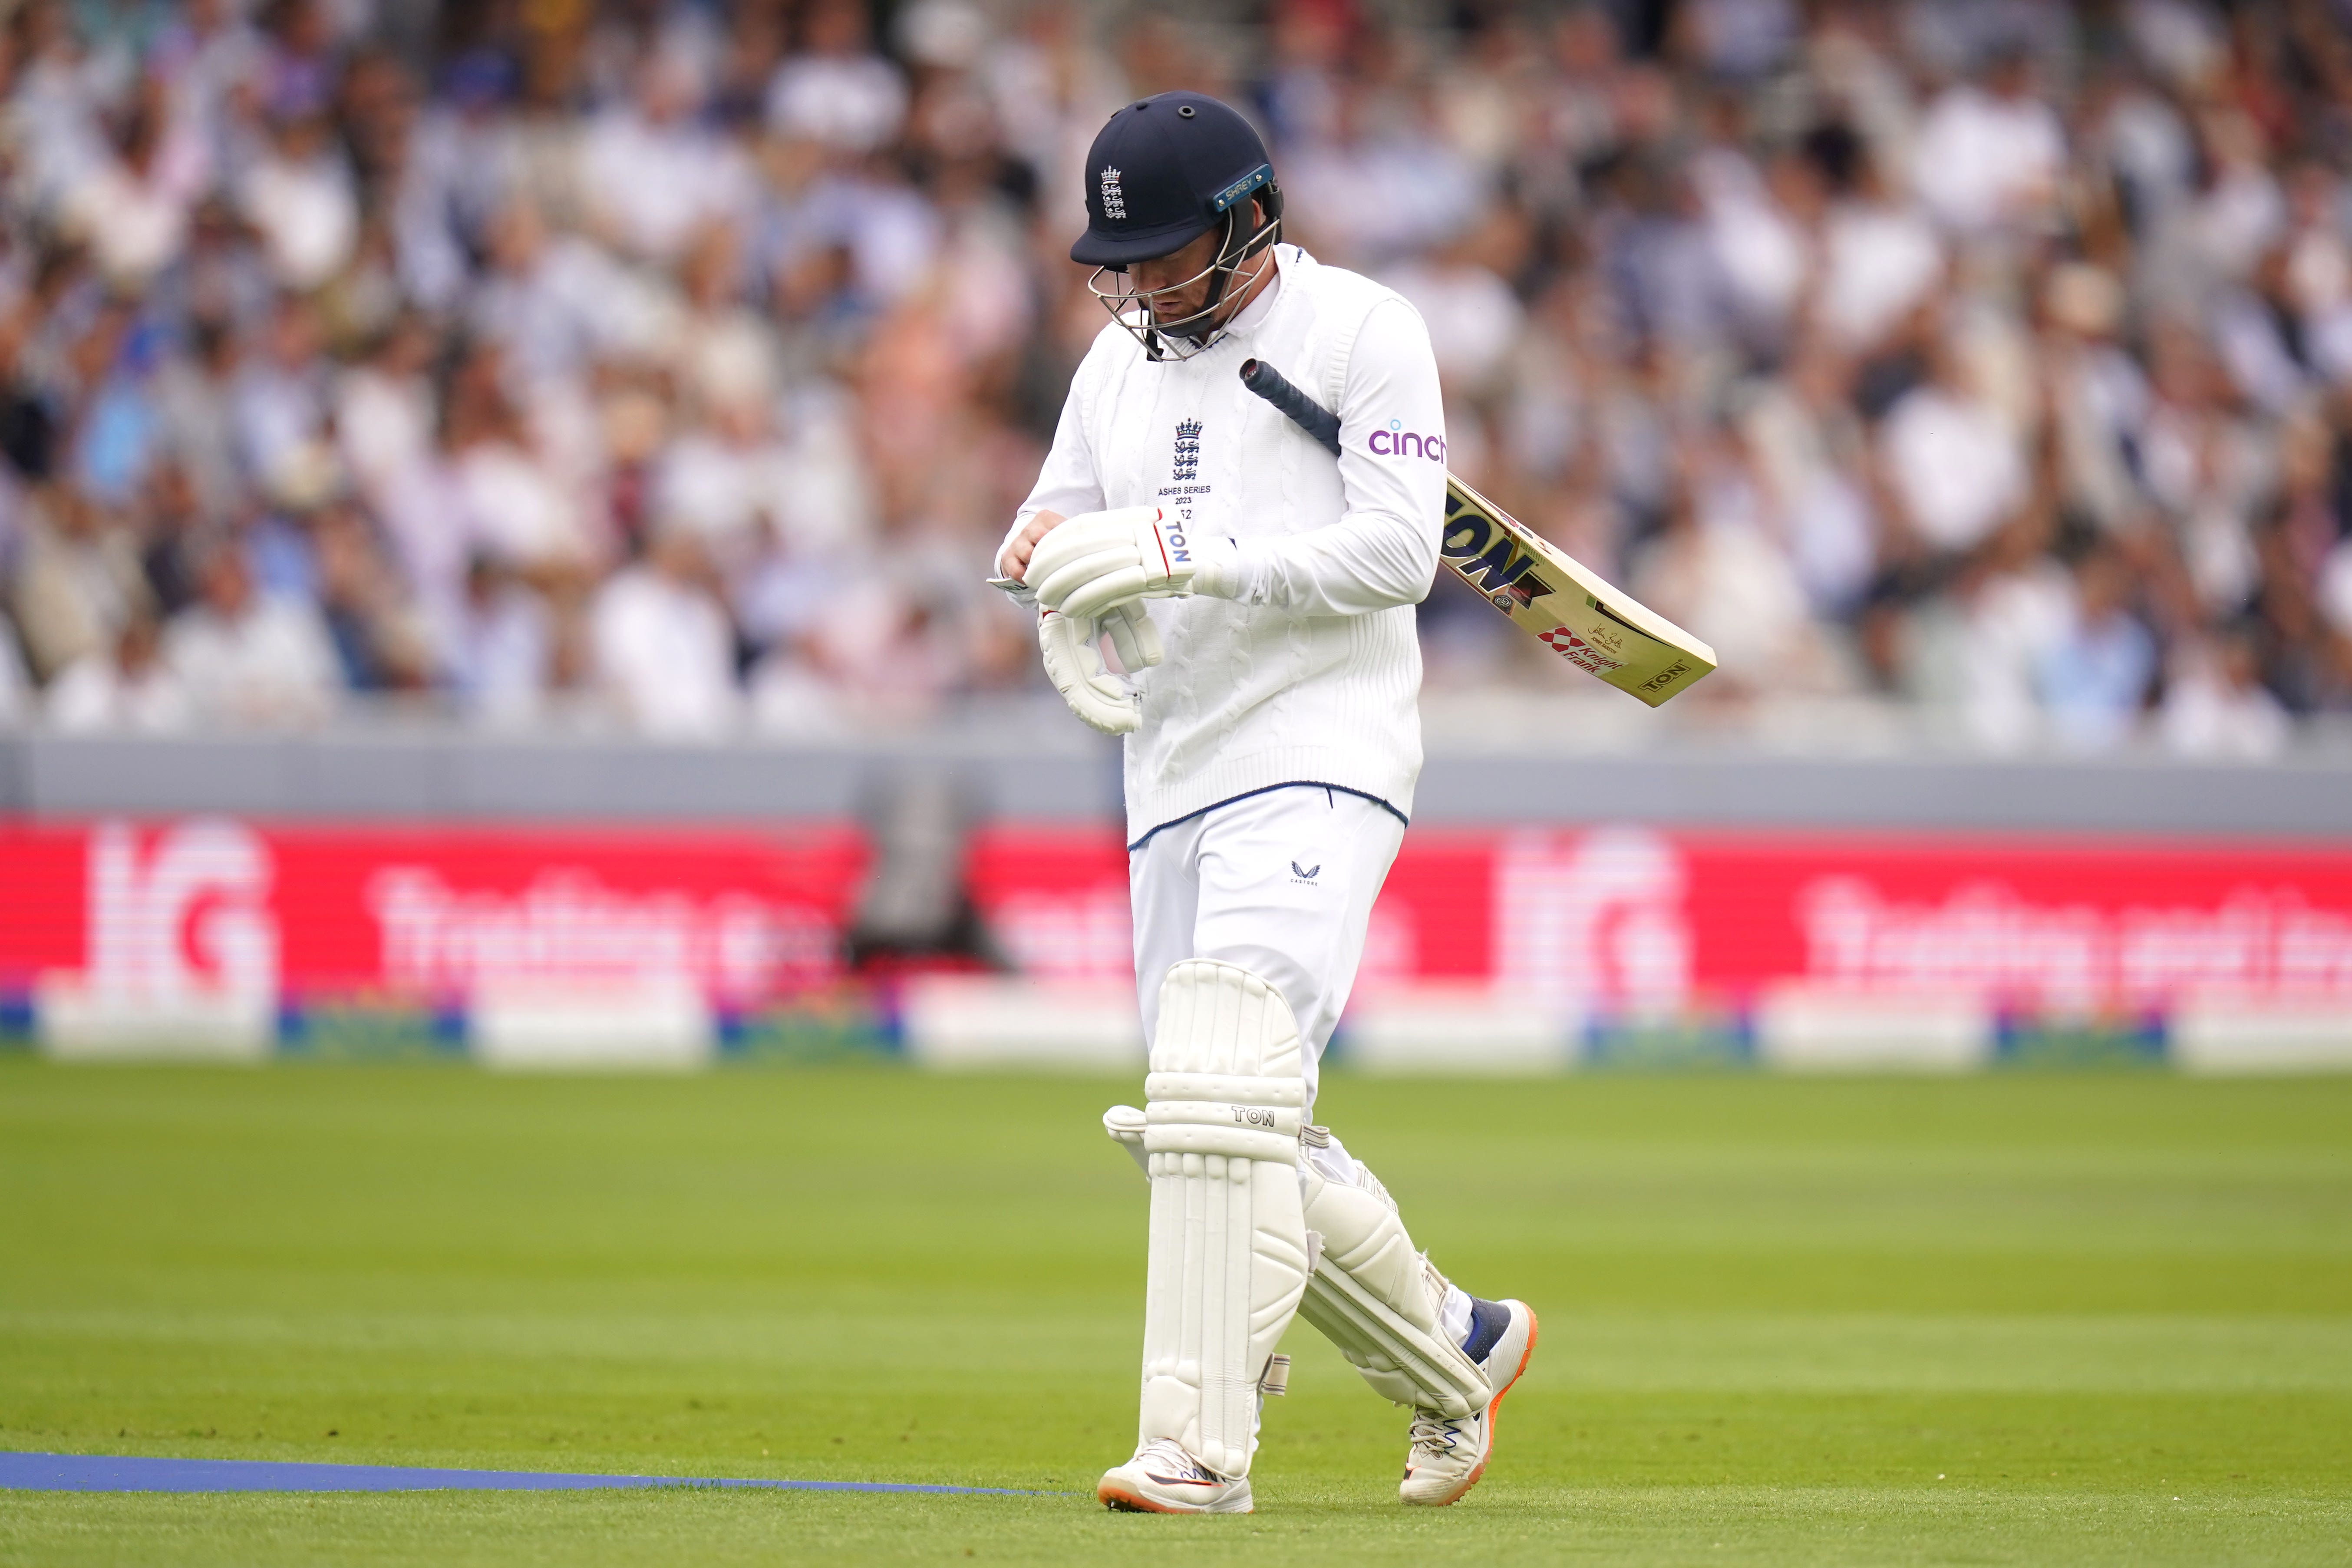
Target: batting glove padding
pixel 1072 649
pixel 1132 636
pixel 1097 559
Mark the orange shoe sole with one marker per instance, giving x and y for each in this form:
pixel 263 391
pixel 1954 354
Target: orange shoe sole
pixel 1534 1328
pixel 1120 1500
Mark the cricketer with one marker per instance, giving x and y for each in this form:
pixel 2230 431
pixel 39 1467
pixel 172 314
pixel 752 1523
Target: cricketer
pixel 1259 598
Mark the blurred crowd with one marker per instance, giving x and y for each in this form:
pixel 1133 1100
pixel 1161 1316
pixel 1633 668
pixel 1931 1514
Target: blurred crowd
pixel 679 365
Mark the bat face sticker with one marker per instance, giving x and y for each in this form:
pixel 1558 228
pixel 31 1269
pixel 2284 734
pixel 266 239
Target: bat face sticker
pixel 1490 560
pixel 1622 642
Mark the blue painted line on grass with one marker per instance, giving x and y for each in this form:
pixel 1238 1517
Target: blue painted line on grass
pixel 127 1473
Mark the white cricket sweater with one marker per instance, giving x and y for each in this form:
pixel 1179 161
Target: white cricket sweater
pixel 1309 672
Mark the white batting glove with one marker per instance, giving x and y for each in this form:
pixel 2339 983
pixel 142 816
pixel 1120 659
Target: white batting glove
pixel 1132 636
pixel 1097 559
pixel 1074 662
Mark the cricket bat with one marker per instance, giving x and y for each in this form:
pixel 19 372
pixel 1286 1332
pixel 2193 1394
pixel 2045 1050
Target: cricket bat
pixel 1541 589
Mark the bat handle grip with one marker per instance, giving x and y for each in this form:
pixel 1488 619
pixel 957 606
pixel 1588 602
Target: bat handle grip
pixel 1303 411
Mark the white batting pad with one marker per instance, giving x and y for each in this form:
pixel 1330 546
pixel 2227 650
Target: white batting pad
pixel 1228 1251
pixel 1376 1298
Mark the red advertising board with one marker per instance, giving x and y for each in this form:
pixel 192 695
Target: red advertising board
pixel 1624 916
pixel 1560 920
pixel 211 904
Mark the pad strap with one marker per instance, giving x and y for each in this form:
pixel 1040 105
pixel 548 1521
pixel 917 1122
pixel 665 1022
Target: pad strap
pixel 1377 1299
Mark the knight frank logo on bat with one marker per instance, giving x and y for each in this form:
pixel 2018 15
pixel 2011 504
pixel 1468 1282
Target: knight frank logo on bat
pixel 1578 652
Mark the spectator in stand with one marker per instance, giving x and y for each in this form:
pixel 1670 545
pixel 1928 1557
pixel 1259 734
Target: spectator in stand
pixel 383 408
pixel 547 299
pixel 301 199
pixel 1716 569
pixel 2215 704
pixel 1951 459
pixel 663 651
pixel 1917 347
pixel 2335 588
pixel 78 578
pixel 1880 257
pixel 2095 674
pixel 501 650
pixel 126 687
pixel 837 90
pixel 1989 155
pixel 510 494
pixel 279 398
pixel 380 643
pixel 246 660
pixel 16 695
pixel 133 210
pixel 195 407
pixel 652 171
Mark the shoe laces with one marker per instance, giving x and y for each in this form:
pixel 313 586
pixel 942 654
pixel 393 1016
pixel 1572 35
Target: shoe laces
pixel 1168 1455
pixel 1433 1434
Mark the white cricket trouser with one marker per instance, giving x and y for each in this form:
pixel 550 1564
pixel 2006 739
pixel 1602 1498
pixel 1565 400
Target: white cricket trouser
pixel 1281 883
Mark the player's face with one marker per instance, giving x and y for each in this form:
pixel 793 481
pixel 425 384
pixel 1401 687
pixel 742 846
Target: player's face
pixel 1188 267
pixel 1171 292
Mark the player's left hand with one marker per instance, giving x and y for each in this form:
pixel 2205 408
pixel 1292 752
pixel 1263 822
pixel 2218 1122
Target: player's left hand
pixel 1097 559
pixel 1074 662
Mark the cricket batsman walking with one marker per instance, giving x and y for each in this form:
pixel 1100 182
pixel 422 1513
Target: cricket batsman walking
pixel 1259 599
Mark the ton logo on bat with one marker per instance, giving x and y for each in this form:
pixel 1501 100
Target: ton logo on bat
pixel 1493 563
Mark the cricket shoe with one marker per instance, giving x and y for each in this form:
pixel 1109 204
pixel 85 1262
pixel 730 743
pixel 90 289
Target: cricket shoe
pixel 1448 1456
pixel 1164 1479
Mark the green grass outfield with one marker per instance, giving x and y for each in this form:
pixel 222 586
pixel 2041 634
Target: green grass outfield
pixel 2021 1318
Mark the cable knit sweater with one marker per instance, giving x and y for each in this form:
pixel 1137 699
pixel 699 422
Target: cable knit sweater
pixel 1299 664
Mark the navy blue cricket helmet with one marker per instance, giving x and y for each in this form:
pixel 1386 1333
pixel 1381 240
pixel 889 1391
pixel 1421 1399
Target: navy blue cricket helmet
pixel 1163 172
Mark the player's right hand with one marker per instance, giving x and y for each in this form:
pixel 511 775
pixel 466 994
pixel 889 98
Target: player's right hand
pixel 1012 558
pixel 1099 559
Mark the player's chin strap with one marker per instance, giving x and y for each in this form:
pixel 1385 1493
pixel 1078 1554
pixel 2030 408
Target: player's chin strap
pixel 1202 325
pixel 1368 1290
pixel 1200 328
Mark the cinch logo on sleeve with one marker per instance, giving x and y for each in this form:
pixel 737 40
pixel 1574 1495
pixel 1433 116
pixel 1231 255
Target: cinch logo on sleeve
pixel 1396 441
